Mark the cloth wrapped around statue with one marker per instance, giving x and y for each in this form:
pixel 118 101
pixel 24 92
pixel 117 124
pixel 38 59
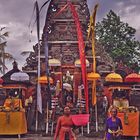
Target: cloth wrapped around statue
pixel 12 118
pixel 12 104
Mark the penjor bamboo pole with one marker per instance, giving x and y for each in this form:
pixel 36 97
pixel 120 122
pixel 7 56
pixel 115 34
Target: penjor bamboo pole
pixel 94 102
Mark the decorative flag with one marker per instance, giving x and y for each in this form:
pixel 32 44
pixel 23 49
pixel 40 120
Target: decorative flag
pixel 82 52
pixel 61 10
pixel 37 20
pixel 44 5
pixel 33 14
pixel 81 48
pixel 91 31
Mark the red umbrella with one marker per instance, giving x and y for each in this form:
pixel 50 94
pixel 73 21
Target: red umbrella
pixel 133 77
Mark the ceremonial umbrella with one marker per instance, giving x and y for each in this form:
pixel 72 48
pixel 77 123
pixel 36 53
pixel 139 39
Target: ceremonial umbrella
pixel 93 76
pixel 19 76
pixel 54 62
pixel 133 77
pixel 44 80
pixel 78 63
pixel 113 77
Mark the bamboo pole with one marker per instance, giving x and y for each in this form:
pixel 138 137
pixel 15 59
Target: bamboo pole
pixel 92 32
pixel 36 122
pixel 47 120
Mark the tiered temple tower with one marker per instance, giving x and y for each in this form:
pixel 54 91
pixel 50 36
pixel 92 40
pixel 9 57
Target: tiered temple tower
pixel 62 39
pixel 61 29
pixel 62 36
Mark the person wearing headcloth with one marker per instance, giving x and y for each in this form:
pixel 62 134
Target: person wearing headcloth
pixel 64 126
pixel 113 126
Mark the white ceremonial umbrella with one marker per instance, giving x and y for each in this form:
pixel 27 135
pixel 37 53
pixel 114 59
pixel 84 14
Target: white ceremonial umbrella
pixel 78 63
pixel 67 86
pixel 19 76
pixel 54 62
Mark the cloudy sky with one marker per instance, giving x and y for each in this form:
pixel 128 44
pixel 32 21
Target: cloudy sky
pixel 15 15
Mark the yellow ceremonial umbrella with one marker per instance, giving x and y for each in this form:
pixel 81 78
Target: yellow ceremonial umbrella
pixel 45 79
pixel 113 77
pixel 93 76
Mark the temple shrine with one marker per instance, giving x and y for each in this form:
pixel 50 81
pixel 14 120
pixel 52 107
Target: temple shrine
pixel 63 52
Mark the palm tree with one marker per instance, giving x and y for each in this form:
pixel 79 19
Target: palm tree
pixel 3 54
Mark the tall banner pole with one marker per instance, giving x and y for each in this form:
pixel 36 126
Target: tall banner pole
pixel 48 85
pixel 47 120
pixel 91 32
pixel 82 58
pixel 39 97
pixel 45 43
pixel 94 100
pixel 81 46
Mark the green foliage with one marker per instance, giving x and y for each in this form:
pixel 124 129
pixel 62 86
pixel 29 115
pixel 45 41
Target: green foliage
pixel 118 39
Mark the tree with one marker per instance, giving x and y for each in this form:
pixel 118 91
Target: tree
pixel 118 39
pixel 3 54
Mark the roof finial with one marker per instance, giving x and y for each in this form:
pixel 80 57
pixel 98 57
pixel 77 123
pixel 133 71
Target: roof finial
pixel 15 65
